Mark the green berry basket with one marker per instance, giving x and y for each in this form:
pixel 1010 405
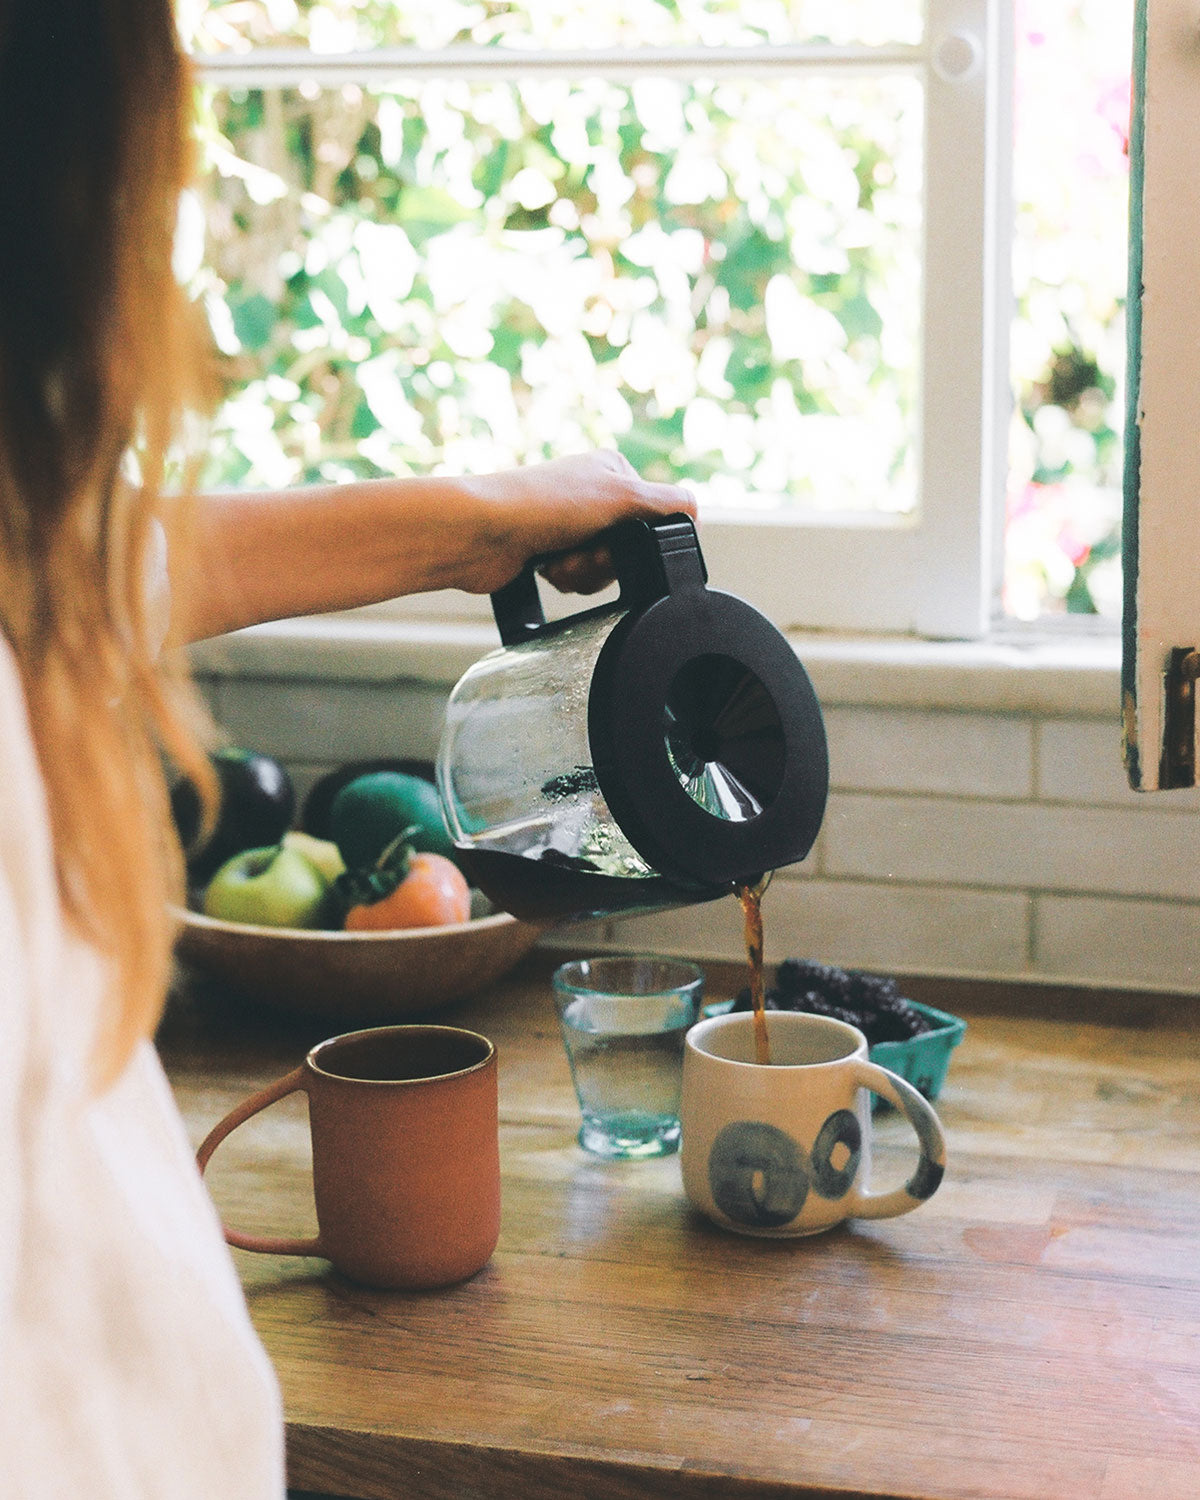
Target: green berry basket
pixel 923 1060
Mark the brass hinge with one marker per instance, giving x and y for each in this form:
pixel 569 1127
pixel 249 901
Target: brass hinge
pixel 1177 766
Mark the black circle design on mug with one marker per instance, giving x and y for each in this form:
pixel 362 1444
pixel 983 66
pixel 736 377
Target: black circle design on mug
pixel 757 1175
pixel 840 1129
pixel 926 1180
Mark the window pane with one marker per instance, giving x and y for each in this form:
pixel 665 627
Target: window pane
pixel 721 278
pixel 346 25
pixel 1071 190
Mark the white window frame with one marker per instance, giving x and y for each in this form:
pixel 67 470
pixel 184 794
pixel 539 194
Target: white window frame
pixel 936 573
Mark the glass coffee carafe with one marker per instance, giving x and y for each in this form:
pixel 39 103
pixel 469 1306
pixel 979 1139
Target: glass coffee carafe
pixel 646 754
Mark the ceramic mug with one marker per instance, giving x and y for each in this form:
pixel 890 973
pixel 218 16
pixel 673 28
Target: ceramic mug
pixel 785 1149
pixel 406 1156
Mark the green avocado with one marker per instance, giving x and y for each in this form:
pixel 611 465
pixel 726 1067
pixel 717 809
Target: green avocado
pixel 373 810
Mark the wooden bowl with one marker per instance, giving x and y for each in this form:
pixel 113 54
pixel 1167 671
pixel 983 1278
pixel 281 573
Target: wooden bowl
pixel 356 976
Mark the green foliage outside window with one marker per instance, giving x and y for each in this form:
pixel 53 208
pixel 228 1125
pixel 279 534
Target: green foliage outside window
pixel 348 25
pixel 720 278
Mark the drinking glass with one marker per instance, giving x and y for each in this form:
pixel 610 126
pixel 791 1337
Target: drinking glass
pixel 623 1023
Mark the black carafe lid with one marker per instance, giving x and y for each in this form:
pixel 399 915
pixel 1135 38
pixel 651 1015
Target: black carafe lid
pixel 706 735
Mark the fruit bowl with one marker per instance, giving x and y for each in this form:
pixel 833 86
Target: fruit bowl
pixel 355 976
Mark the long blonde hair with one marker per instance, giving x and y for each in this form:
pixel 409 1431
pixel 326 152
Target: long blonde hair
pixel 98 357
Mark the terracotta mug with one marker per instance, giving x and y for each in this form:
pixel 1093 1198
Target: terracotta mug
pixel 785 1149
pixel 406 1156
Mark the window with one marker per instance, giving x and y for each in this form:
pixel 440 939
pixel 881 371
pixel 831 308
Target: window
pixel 763 246
pixel 1071 194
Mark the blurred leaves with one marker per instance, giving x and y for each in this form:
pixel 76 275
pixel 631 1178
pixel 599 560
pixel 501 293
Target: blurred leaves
pixel 343 25
pixel 721 279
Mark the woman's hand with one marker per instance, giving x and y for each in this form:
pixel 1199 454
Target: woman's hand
pixel 558 507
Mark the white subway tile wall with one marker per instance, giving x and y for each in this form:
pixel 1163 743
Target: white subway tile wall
pixel 1080 761
pixel 991 845
pixel 951 755
pixel 1139 944
pixel 1035 845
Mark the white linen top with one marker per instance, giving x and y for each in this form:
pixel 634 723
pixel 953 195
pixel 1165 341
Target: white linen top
pixel 129 1369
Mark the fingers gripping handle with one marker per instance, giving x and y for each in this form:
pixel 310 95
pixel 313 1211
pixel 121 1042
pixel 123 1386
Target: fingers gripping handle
pixel 927 1178
pixel 650 559
pixel 280 1089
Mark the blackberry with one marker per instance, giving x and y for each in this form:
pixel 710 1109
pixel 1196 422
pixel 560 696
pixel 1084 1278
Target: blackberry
pixel 821 1005
pixel 773 1000
pixel 887 1027
pixel 799 975
pixel 872 992
pixel 803 976
pixel 887 1015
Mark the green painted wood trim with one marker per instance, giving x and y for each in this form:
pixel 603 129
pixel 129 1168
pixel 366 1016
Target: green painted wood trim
pixel 1133 453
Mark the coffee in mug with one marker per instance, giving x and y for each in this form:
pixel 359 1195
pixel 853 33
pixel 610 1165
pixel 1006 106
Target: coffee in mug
pixel 784 1149
pixel 406 1156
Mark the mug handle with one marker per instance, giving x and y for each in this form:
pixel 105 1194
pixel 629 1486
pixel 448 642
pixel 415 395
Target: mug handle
pixel 280 1089
pixel 927 1178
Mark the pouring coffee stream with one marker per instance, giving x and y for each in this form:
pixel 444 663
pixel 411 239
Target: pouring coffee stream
pixel 750 897
pixel 653 753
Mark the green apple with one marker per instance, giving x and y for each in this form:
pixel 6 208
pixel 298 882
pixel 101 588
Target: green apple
pixel 323 853
pixel 275 887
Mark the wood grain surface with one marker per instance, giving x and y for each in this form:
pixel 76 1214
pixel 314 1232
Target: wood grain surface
pixel 1032 1333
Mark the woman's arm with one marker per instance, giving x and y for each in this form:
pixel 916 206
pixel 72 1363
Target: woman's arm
pixel 270 555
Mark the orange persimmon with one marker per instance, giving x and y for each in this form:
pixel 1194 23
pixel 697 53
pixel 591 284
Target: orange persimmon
pixel 434 893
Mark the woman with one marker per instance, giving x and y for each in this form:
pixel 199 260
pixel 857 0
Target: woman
pixel 128 1366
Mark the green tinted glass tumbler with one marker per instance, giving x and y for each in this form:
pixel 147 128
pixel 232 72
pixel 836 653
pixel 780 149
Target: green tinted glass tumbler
pixel 623 1023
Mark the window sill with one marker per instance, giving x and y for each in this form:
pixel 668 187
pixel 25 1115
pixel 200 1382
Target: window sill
pixel 1076 676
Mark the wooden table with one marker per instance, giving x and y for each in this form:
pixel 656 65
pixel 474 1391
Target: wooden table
pixel 1033 1331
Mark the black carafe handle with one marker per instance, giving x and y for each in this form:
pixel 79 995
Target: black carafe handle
pixel 651 559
